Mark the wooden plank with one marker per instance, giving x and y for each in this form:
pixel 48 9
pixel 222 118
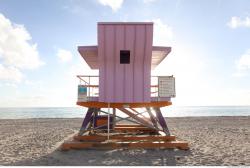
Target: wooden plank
pixel 144 138
pixel 129 125
pixel 98 138
pixel 115 145
pixel 133 128
pixel 134 131
pixel 75 145
pixel 121 105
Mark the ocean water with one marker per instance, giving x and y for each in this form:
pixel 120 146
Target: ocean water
pixel 78 112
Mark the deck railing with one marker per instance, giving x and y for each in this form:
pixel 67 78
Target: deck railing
pixel 92 85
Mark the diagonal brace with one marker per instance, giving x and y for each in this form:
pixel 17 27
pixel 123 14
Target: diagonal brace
pixel 141 120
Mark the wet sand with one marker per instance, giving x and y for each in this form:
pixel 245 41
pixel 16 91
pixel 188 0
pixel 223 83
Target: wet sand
pixel 213 141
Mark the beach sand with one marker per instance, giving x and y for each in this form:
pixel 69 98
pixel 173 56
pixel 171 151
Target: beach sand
pixel 213 141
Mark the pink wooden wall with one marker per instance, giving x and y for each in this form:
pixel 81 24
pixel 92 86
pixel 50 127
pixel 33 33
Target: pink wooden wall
pixel 124 82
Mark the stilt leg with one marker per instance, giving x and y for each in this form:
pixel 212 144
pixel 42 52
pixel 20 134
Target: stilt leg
pixel 86 120
pixel 108 119
pixel 162 121
pixel 114 118
pixel 152 117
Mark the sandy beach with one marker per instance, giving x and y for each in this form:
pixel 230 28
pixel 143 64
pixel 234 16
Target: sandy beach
pixel 213 141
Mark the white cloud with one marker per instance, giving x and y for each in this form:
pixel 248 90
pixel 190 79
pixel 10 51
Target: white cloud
pixel 10 74
pixel 114 4
pixel 239 74
pixel 64 55
pixel 242 65
pixel 163 33
pixel 16 51
pixel 244 62
pixel 237 22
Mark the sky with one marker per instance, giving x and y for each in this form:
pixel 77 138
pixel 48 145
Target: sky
pixel 210 42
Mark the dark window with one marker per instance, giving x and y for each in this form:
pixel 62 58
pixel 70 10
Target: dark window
pixel 124 56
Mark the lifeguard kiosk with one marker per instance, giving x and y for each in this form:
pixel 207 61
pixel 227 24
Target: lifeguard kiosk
pixel 124 101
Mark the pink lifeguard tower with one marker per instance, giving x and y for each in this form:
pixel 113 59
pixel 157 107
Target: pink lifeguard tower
pixel 124 91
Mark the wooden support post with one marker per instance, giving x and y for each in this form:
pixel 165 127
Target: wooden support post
pixel 152 117
pixel 94 118
pixel 114 117
pixel 108 119
pixel 162 121
pixel 86 120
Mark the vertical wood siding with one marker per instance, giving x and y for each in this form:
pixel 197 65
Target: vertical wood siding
pixel 124 82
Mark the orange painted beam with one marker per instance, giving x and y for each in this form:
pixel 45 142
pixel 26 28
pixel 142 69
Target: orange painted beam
pixel 128 125
pixel 124 105
pixel 144 138
pixel 97 138
pixel 75 145
pixel 133 129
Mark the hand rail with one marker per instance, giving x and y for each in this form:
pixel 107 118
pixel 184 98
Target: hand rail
pixel 93 89
pixel 93 86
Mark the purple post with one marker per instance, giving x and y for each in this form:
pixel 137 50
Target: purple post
pixel 152 117
pixel 162 121
pixel 87 119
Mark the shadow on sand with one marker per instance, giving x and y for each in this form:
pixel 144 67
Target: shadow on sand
pixel 117 157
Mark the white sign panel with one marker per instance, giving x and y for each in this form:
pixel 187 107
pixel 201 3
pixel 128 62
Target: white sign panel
pixel 166 86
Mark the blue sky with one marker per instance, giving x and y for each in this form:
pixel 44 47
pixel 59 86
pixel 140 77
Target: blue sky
pixel 210 43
